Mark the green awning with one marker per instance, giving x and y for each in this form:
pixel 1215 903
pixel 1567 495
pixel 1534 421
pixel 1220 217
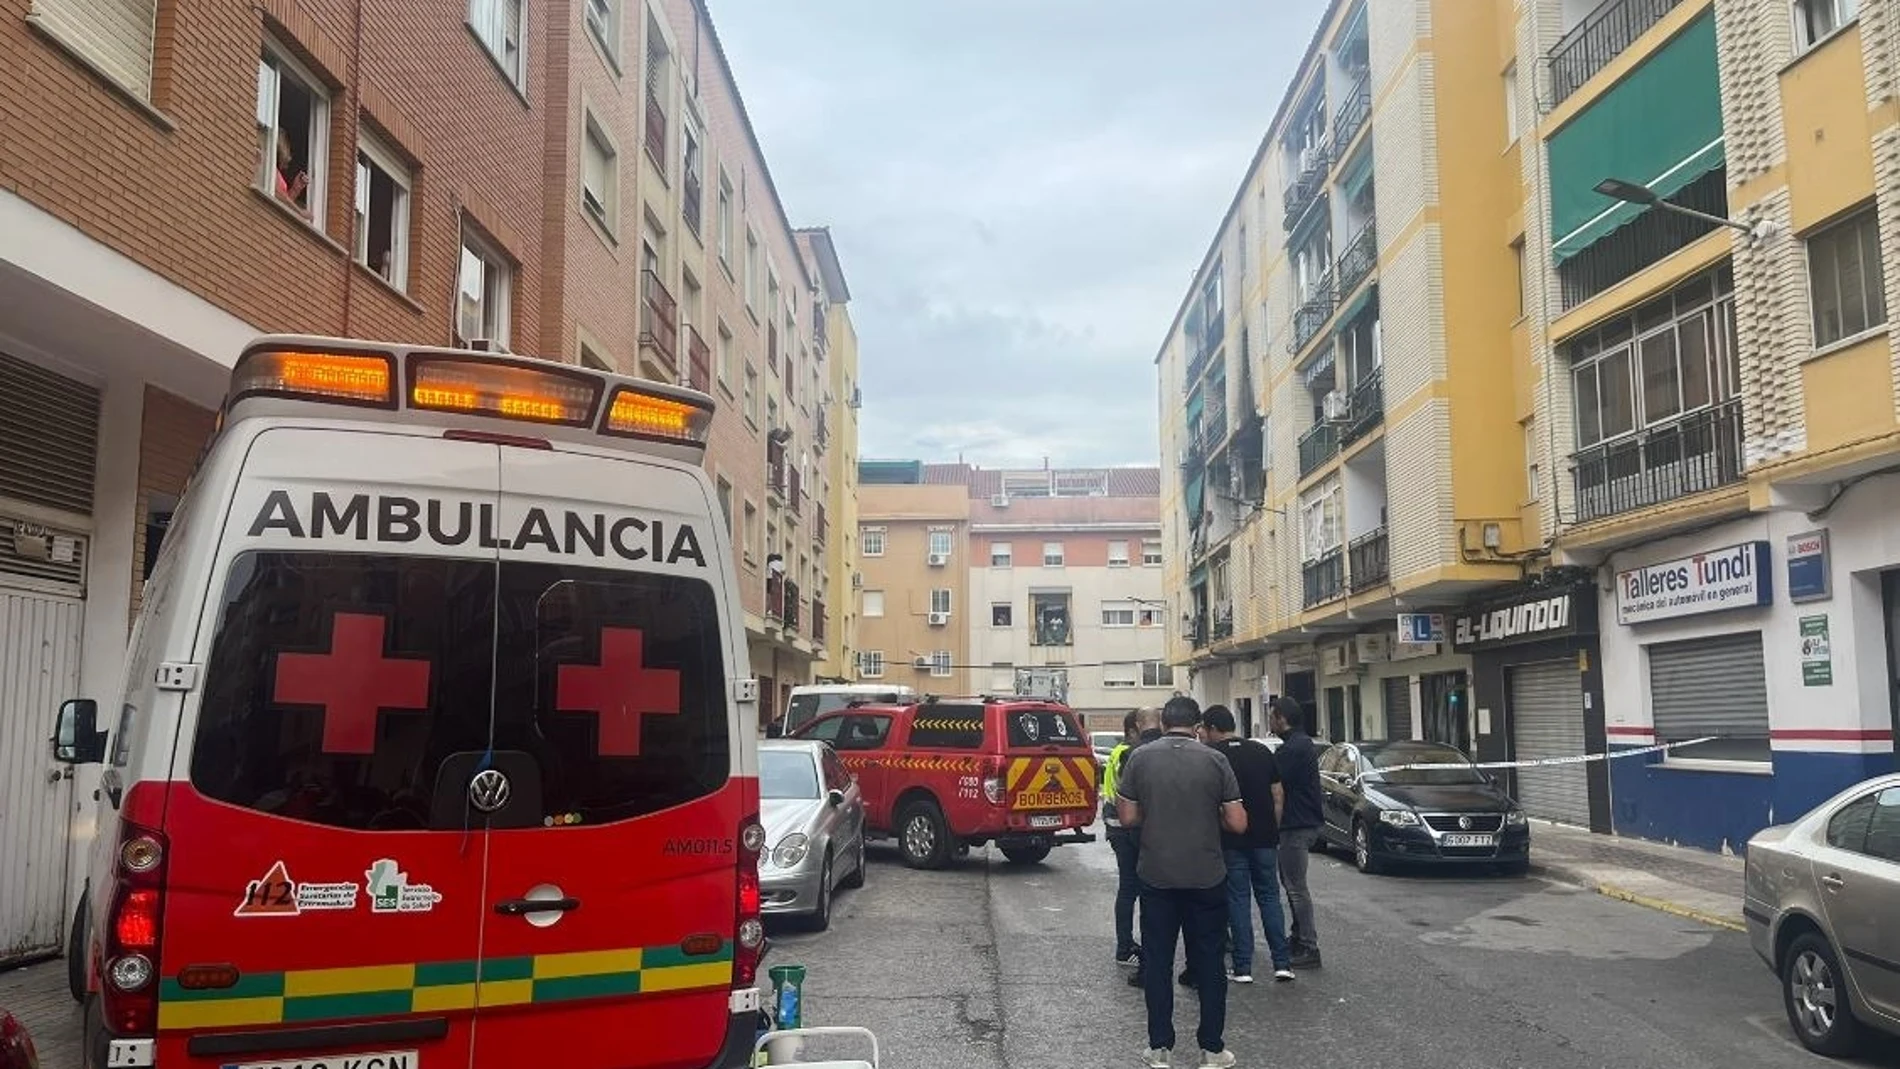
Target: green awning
pixel 1357 173
pixel 1660 126
pixel 1194 488
pixel 1197 576
pixel 1352 308
pixel 1194 405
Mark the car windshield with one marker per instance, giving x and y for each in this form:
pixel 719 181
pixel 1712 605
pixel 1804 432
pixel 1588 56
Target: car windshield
pixel 1388 766
pixel 787 774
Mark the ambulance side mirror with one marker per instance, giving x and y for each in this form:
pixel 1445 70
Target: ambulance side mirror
pixel 78 740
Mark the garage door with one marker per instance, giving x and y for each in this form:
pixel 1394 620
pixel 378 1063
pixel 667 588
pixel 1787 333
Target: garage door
pixel 1712 686
pixel 1547 721
pixel 1398 707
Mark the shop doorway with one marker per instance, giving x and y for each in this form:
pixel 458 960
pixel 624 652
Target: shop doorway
pixel 1342 713
pixel 1445 698
pixel 1890 601
pixel 1243 712
pixel 1299 687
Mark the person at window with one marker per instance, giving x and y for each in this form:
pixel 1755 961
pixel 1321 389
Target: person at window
pixel 293 182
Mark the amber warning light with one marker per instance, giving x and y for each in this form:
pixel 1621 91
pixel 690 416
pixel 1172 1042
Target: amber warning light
pixel 643 415
pixel 326 376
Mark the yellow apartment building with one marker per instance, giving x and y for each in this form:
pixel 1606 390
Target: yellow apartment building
pixel 835 617
pixel 913 554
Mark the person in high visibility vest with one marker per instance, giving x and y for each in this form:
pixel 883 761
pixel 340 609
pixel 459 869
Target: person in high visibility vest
pixel 1138 727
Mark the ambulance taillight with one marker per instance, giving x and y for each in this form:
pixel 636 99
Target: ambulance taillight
pixel 749 935
pixel 128 971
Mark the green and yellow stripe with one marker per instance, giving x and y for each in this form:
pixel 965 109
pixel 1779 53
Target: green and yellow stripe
pixel 439 986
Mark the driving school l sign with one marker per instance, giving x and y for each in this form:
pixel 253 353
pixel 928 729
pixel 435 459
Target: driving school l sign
pixel 1735 577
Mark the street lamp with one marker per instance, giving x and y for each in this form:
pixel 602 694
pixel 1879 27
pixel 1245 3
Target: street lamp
pixel 1637 193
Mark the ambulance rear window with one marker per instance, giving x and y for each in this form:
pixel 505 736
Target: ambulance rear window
pixel 1043 727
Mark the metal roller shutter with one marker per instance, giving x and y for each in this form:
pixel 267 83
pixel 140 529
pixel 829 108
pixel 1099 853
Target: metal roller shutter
pixel 1711 686
pixel 49 428
pixel 1398 707
pixel 1547 721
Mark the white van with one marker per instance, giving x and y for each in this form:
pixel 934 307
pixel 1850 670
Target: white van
pixel 809 702
pixel 436 745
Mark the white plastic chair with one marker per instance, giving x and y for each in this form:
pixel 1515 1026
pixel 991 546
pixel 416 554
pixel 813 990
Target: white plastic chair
pixel 786 1040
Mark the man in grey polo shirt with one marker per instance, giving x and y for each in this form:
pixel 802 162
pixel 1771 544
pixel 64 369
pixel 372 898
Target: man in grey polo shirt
pixel 1180 795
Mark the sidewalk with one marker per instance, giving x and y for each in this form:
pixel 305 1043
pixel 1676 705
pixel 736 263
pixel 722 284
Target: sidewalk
pixel 36 994
pixel 1680 880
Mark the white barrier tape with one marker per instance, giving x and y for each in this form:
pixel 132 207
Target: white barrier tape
pixel 1543 761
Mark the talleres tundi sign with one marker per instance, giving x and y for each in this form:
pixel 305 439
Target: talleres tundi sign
pixel 1734 577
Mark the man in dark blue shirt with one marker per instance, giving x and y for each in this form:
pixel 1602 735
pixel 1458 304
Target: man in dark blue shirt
pixel 1298 760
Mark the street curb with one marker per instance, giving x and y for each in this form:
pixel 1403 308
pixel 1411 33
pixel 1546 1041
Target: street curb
pixel 1576 878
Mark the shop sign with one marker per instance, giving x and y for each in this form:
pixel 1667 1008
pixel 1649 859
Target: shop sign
pixel 1535 617
pixel 1421 627
pixel 1807 567
pixel 1732 577
pixel 1817 653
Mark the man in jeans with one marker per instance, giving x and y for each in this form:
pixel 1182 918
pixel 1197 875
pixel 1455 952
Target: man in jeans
pixel 1181 795
pixel 1252 857
pixel 1140 726
pixel 1298 762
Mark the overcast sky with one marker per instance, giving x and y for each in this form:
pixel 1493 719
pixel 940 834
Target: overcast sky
pixel 1020 191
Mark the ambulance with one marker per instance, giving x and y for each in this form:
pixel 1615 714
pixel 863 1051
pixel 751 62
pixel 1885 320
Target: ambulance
pixel 435 747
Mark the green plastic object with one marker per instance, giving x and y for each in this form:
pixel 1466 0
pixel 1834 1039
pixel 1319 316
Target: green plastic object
pixel 788 994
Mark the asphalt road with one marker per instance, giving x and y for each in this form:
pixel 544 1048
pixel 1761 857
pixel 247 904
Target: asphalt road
pixel 1001 967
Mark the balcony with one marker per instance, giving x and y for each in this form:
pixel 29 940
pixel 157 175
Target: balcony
pixel 1317 446
pixel 775 598
pixel 775 467
pixel 1699 452
pixel 656 129
pixel 1204 337
pixel 791 606
pixel 1223 623
pixel 1324 579
pixel 795 492
pixel 1194 632
pixel 698 361
pixel 1352 114
pixel 1307 186
pixel 1368 560
pixel 690 191
pixel 1360 257
pixel 1602 36
pixel 1367 408
pixel 817 620
pixel 659 328
pixel 1310 318
pixel 821 530
pixel 1214 428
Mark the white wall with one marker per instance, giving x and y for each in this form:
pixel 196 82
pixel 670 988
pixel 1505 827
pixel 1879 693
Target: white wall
pixel 1088 588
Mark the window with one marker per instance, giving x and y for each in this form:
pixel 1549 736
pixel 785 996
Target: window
pixel 692 178
pixel 1523 278
pixel 940 663
pixel 659 63
pixel 599 180
pixel 725 503
pixel 1685 705
pixel 1320 521
pixel 1510 104
pixel 1533 471
pixel 1671 357
pixel 1052 554
pixel 293 124
pixel 873 604
pixel 1119 676
pixel 498 24
pixel 750 399
pixel 871 541
pixel 1001 613
pixel 751 272
pixel 1847 828
pixel 724 221
pixel 117 38
pixel 382 212
pixel 603 21
pixel 1118 553
pixel 1118 614
pixel 751 532
pixel 940 600
pixel 1150 616
pixel 1049 613
pixel 1000 554
pixel 940 543
pixel 1845 279
pixel 1151 552
pixel 482 295
pixel 722 355
pixel 871 664
pixel 1157 674
pixel 1816 20
pixel 1883 830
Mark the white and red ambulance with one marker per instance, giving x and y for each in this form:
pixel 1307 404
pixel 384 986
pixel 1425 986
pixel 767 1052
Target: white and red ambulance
pixel 435 750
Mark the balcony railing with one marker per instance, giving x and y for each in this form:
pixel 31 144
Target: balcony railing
pixel 1214 428
pixel 775 598
pixel 698 361
pixel 817 620
pixel 795 492
pixel 1367 401
pixel 1204 342
pixel 1307 185
pixel 656 129
pixel 1310 318
pixel 1701 451
pixel 1360 257
pixel 1324 579
pixel 791 606
pixel 775 467
pixel 660 327
pixel 1599 38
pixel 690 190
pixel 1368 559
pixel 1223 623
pixel 1317 446
pixel 1353 113
pixel 821 530
pixel 1194 632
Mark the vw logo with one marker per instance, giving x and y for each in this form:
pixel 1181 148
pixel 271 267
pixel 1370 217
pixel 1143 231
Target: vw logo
pixel 1463 822
pixel 488 791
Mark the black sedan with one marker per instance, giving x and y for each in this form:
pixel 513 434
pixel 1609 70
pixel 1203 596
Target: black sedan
pixel 1384 813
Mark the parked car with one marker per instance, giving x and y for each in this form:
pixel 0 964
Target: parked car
pixel 1820 897
pixel 1385 813
pixel 813 813
pixel 944 775
pixel 1104 743
pixel 16 1046
pixel 815 699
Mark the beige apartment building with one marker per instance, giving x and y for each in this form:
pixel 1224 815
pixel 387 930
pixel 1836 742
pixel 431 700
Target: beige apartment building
pixel 914 561
pixel 834 608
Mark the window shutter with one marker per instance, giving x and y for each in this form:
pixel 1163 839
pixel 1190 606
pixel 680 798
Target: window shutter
pixel 116 35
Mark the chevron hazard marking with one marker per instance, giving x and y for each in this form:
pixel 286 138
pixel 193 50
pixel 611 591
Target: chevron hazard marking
pixel 1046 783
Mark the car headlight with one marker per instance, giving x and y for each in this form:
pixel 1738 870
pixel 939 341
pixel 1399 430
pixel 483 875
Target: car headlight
pixel 791 850
pixel 1516 818
pixel 1399 818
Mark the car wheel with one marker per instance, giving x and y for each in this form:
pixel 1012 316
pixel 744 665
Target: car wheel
pixel 76 965
pixel 821 917
pixel 1815 992
pixel 1025 855
pixel 923 838
pixel 1362 856
pixel 856 879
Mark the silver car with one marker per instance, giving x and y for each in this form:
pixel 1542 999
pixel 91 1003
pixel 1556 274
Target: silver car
pixel 1820 901
pixel 814 829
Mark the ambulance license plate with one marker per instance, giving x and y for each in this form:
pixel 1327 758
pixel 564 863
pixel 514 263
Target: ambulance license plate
pixel 1045 820
pixel 1470 840
pixel 385 1059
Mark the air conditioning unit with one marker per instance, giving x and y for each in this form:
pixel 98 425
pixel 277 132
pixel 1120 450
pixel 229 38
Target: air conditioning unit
pixel 857 580
pixel 1000 501
pixel 937 560
pixel 1336 659
pixel 1369 648
pixel 1337 406
pixel 939 619
pixel 922 664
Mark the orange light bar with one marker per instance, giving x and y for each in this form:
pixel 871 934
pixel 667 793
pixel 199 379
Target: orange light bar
pixel 644 415
pixel 506 391
pixel 315 375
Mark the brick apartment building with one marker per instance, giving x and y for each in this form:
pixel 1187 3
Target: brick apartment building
pixel 571 179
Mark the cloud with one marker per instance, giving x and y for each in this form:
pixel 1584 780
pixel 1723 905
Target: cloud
pixel 1020 192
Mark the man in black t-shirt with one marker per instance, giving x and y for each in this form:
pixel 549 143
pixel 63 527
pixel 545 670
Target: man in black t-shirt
pixel 1298 760
pixel 1253 855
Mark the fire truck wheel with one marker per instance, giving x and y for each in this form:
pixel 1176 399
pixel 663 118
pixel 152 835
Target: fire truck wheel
pixel 1025 855
pixel 923 837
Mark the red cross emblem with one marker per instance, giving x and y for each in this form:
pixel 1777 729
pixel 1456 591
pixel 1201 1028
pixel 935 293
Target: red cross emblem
pixel 619 690
pixel 352 683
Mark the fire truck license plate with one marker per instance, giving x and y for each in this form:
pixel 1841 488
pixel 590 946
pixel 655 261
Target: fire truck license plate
pixel 387 1059
pixel 1052 800
pixel 1046 820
